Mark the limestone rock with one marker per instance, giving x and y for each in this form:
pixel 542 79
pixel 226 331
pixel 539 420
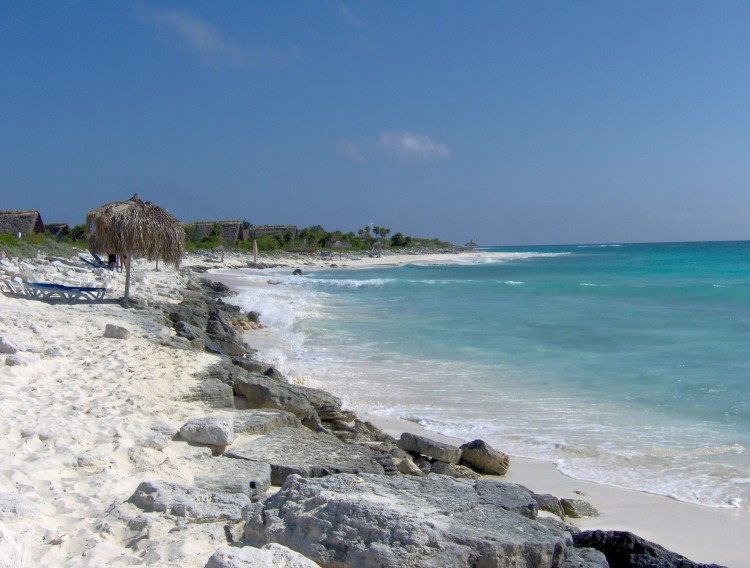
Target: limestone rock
pixel 270 556
pixel 193 504
pixel 326 405
pixel 211 430
pixel 549 503
pixel 370 520
pixel 309 454
pixel 115 331
pixel 480 456
pixel 262 421
pixel 226 475
pixel 214 393
pixel 263 392
pixel 453 470
pixel 576 508
pixel 431 448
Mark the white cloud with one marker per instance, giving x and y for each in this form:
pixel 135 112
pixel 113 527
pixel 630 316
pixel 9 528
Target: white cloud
pixel 411 146
pixel 350 150
pixel 199 36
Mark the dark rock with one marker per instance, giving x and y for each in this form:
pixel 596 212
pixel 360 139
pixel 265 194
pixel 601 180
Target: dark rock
pixel 192 333
pixel 577 509
pixel 431 448
pixel 626 550
pixel 309 454
pixel 480 456
pixel 549 503
pixel 375 521
pixel 510 496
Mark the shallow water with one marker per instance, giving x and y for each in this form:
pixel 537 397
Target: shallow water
pixel 627 365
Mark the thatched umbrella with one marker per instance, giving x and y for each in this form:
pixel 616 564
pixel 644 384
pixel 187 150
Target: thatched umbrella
pixel 135 229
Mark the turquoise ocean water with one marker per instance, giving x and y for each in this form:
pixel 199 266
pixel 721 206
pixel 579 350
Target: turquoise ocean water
pixel 624 364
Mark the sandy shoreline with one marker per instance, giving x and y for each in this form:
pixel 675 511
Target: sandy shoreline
pixel 80 412
pixel 703 534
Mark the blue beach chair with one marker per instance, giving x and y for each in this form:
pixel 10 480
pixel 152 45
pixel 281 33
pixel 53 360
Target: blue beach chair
pixel 68 294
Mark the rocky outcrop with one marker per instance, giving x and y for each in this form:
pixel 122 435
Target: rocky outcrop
pixel 370 520
pixel 308 454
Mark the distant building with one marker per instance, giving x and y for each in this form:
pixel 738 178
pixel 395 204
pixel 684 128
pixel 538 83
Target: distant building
pixel 58 230
pixel 23 222
pixel 229 230
pixel 471 244
pixel 257 230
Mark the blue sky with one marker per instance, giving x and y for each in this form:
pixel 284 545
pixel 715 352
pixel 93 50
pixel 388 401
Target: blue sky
pixel 505 122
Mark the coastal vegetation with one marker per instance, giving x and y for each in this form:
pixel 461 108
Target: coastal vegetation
pixel 309 238
pixel 314 237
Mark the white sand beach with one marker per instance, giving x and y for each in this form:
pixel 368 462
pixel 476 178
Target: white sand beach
pixel 82 415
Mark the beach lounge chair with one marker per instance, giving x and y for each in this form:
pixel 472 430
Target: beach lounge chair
pixel 50 291
pixel 14 286
pixel 98 262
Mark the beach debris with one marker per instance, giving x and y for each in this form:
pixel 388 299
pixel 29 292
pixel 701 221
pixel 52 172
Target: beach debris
pixel 481 457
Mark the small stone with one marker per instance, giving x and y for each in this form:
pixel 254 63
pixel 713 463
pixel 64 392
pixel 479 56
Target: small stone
pixel 7 347
pixel 115 332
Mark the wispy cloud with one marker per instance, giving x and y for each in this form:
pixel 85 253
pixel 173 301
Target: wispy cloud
pixel 412 146
pixel 197 35
pixel 350 150
pixel 346 12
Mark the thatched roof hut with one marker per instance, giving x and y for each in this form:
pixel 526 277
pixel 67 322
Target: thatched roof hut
pixel 255 231
pixel 57 230
pixel 230 231
pixel 134 229
pixel 24 222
